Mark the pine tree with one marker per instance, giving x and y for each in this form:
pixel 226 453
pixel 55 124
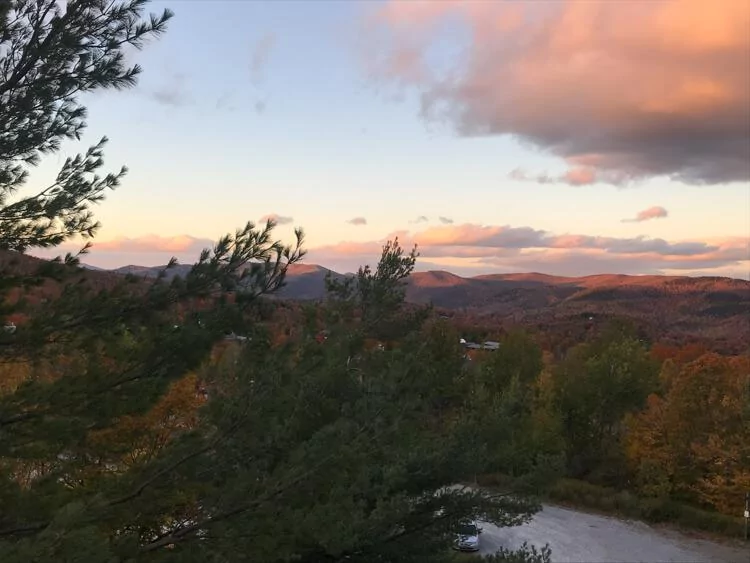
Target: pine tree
pixel 49 56
pixel 102 350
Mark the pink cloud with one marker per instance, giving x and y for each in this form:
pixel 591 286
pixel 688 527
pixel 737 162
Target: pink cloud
pixel 506 248
pixel 153 243
pixel 147 250
pixel 471 249
pixel 655 212
pixel 620 90
pixel 278 219
pixel 580 176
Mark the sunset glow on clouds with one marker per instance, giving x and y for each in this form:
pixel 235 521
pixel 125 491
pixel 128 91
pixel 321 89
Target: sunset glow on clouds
pixel 153 243
pixel 471 249
pixel 621 90
pixel 655 212
pixel 483 248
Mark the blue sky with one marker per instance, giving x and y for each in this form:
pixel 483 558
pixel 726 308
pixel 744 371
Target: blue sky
pixel 251 108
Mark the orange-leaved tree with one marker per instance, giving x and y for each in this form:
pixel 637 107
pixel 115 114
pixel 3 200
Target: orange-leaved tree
pixel 694 441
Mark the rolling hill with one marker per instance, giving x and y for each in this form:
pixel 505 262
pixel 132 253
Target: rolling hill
pixel 530 294
pixel 711 309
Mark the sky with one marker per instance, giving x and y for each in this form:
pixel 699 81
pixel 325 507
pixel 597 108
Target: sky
pixel 565 137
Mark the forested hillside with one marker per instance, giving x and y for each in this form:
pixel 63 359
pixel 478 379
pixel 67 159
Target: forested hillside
pixel 669 309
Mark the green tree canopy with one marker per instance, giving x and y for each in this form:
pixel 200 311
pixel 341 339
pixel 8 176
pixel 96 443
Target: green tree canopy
pixel 595 386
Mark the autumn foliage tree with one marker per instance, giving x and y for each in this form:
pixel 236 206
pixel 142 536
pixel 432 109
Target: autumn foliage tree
pixel 693 442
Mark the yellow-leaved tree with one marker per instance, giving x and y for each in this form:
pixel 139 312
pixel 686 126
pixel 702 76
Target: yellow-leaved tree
pixel 694 441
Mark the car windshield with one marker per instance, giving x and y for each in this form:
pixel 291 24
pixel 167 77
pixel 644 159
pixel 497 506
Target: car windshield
pixel 467 530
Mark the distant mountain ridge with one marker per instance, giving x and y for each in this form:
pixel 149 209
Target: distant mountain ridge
pixel 153 271
pixel 715 309
pixel 499 292
pixel 711 309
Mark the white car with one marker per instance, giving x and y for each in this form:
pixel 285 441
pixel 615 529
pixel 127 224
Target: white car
pixel 467 538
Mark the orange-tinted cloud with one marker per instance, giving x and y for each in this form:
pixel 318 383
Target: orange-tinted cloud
pixel 471 249
pixel 357 221
pixel 147 250
pixel 491 248
pixel 620 90
pixel 153 243
pixel 506 236
pixel 655 212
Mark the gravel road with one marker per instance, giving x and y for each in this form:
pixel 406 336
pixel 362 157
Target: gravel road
pixel 580 537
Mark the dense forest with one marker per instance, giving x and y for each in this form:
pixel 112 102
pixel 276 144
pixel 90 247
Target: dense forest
pixel 626 424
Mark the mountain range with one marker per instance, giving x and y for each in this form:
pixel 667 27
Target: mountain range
pixel 716 308
pixel 497 292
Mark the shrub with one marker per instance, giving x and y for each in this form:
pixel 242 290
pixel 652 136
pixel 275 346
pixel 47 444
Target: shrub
pixel 525 554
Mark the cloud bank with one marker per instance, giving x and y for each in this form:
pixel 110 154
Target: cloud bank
pixel 470 249
pixel 622 91
pixel 146 250
pixel 656 212
pixel 489 248
pixel 153 243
